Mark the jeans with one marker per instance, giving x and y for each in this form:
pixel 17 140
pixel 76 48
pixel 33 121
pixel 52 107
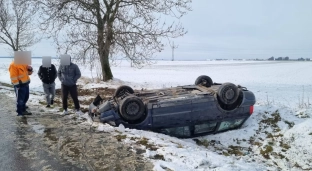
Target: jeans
pixel 22 96
pixel 49 91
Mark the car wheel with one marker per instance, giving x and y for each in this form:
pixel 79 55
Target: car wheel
pixel 123 90
pixel 204 80
pixel 228 93
pixel 132 108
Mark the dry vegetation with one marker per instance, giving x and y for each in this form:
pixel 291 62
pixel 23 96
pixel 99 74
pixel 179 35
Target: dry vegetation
pixel 89 95
pixel 267 143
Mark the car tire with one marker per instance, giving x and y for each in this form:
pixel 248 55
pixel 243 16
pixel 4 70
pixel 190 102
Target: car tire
pixel 132 108
pixel 228 93
pixel 123 90
pixel 204 80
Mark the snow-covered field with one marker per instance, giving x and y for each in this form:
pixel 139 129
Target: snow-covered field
pixel 278 136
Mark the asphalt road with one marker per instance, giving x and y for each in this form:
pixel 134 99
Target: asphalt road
pixel 18 151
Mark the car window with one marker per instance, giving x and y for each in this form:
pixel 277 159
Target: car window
pixel 178 131
pixel 225 125
pixel 205 128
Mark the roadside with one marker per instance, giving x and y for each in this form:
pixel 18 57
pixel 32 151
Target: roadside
pixel 48 141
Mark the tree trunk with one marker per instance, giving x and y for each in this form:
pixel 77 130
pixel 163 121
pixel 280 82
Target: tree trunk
pixel 106 70
pixel 104 59
pixel 104 53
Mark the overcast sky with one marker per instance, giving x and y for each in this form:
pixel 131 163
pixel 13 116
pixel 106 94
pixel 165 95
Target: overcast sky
pixel 236 29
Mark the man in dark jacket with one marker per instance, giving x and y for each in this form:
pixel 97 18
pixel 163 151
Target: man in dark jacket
pixel 48 75
pixel 68 75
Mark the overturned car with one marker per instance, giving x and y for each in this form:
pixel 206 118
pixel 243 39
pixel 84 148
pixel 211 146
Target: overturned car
pixel 184 111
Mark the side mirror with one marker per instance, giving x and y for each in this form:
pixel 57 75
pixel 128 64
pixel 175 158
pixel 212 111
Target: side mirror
pixel 97 100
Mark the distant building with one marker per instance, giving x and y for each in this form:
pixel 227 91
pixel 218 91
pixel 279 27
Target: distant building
pixel 301 59
pixel 307 59
pixel 271 59
pixel 286 58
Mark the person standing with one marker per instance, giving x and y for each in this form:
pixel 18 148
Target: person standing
pixel 48 75
pixel 20 79
pixel 68 75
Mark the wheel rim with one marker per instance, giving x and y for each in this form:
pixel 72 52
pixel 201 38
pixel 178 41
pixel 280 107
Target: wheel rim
pixel 204 82
pixel 132 109
pixel 228 94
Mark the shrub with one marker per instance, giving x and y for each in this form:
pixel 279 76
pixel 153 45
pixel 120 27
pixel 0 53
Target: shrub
pixel 266 151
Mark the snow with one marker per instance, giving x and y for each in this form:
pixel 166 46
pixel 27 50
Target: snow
pixel 278 135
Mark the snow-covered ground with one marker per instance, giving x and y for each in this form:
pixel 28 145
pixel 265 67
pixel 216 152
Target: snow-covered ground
pixel 278 136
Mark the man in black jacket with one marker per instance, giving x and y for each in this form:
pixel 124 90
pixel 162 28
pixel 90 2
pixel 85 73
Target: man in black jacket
pixel 48 75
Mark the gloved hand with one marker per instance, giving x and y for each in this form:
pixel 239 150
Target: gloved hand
pixel 29 69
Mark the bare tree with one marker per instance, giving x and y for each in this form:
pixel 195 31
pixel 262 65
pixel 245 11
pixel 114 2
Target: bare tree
pixel 17 28
pixel 98 30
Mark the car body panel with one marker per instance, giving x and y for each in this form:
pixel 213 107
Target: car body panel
pixel 185 111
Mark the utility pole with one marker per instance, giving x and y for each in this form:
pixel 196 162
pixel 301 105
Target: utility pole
pixel 173 47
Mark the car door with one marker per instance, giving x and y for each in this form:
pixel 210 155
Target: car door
pixel 172 112
pixel 204 108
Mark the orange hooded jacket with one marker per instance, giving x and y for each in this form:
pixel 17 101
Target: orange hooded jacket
pixel 19 74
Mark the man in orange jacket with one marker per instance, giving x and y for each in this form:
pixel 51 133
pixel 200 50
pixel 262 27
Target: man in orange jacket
pixel 19 75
